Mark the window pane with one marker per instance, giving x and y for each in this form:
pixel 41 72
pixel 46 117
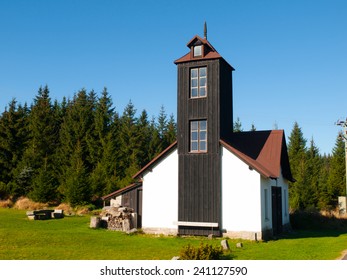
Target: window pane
pixel 194 92
pixel 202 82
pixel 194 146
pixel 194 125
pixel 194 73
pixel 197 50
pixel 194 136
pixel 194 82
pixel 203 72
pixel 202 92
pixel 203 125
pixel 203 146
pixel 202 135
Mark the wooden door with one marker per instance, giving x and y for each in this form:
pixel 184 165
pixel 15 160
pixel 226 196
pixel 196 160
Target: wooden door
pixel 276 210
pixel 139 208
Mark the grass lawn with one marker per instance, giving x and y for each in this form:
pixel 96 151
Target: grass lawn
pixel 72 239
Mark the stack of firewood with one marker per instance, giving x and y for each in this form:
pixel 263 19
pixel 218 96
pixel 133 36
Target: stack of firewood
pixel 119 218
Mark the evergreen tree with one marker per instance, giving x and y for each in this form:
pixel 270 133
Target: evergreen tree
pixel 44 186
pixel 297 158
pixel 314 167
pixel 129 145
pixel 171 131
pixel 237 125
pixel 13 140
pixel 337 175
pixel 155 146
pixel 13 137
pixel 39 155
pixel 77 189
pixel 75 133
pixel 103 177
pixel 145 135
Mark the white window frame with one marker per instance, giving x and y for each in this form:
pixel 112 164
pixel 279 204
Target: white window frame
pixel 198 82
pixel 198 136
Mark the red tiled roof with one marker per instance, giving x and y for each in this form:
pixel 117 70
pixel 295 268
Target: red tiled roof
pixel 264 151
pixel 210 54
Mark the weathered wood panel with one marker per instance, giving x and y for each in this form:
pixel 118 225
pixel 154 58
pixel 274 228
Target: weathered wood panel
pixel 200 174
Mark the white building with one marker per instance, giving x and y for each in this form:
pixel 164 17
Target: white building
pixel 211 180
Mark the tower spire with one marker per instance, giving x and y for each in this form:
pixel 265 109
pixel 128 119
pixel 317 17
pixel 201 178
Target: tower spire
pixel 205 30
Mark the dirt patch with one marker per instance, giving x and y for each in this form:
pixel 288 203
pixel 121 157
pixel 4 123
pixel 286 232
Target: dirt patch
pixel 343 255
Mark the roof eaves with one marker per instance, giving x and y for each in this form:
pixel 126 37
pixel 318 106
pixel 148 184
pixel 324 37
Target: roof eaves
pixel 249 161
pixel 120 191
pixel 153 161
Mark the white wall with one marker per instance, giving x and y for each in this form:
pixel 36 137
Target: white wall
pixel 241 195
pixel 267 184
pixel 160 194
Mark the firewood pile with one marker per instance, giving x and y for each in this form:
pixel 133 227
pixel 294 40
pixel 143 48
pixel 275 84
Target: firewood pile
pixel 118 218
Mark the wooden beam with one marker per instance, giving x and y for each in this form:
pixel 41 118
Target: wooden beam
pixel 197 224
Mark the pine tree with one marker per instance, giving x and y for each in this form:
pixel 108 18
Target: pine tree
pixel 337 175
pixel 171 131
pixel 314 167
pixel 297 158
pixel 237 127
pixel 129 145
pixel 103 177
pixel 75 133
pixel 39 155
pixel 13 141
pixel 77 189
pixel 13 137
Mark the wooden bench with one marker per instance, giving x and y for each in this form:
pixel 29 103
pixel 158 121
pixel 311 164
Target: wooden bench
pixel 45 214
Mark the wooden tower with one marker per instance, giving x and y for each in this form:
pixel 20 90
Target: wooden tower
pixel 204 116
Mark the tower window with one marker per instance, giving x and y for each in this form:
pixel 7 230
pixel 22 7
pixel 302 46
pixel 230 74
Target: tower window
pixel 198 136
pixel 197 51
pixel 198 82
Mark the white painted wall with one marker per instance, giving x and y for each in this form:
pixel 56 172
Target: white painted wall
pixel 160 194
pixel 241 195
pixel 267 184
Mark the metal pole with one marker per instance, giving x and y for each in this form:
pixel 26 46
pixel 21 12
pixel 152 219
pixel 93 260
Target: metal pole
pixel 343 202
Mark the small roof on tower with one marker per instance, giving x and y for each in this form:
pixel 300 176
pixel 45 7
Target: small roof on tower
pixel 207 50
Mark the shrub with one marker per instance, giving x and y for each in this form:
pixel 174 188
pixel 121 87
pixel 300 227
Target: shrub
pixel 6 203
pixel 314 220
pixel 24 203
pixel 203 252
pixel 68 210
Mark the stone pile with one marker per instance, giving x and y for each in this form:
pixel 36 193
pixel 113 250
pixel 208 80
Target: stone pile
pixel 118 218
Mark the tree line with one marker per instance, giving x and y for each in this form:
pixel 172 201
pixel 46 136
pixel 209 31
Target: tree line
pixel 76 150
pixel 81 149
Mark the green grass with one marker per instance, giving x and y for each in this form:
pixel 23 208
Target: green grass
pixel 71 238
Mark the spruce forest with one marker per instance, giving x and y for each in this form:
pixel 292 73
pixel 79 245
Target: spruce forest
pixel 76 151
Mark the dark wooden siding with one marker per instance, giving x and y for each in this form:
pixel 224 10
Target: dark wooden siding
pixel 200 174
pixel 133 199
pixel 226 101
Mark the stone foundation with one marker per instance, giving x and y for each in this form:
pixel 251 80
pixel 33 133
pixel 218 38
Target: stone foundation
pixel 249 235
pixel 157 231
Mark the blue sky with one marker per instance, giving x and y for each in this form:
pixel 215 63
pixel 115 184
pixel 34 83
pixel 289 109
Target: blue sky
pixel 290 56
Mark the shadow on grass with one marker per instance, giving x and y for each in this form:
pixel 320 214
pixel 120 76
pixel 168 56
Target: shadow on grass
pixel 313 224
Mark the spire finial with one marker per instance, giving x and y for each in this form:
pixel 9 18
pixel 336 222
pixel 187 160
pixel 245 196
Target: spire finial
pixel 205 30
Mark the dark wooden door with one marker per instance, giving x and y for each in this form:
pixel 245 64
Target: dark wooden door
pixel 139 208
pixel 276 210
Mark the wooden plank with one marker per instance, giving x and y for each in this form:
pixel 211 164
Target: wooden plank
pixel 197 224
